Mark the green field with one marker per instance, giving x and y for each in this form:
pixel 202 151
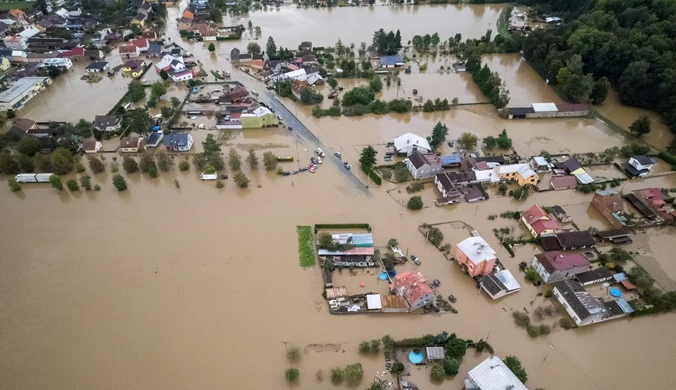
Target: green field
pixel 15 4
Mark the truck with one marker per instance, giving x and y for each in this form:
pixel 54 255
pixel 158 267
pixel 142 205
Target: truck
pixel 208 176
pixel 33 177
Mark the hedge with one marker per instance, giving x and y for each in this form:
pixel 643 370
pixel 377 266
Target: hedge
pixel 284 159
pixel 364 226
pixel 306 250
pixel 670 158
pixel 372 174
pixel 412 342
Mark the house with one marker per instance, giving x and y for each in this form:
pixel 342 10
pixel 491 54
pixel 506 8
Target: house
pixel 297 86
pixel 499 284
pixel 522 174
pixel 565 241
pixel 571 110
pixel 475 255
pixel 305 47
pixel 4 64
pixel 178 142
pixel 451 161
pixel 423 166
pixel 414 288
pixel 258 118
pixel 97 66
pixel 561 214
pixel 539 222
pixel 389 62
pixel 492 374
pixel 20 16
pixel 563 182
pixel 154 139
pixel 64 63
pixel 141 43
pixel 151 34
pixel 599 275
pixel 407 143
pixel 154 50
pixel 435 353
pixel 539 164
pixel 639 166
pixel 135 67
pixel 556 266
pixel 91 145
pixel 132 144
pixel 450 192
pixel 23 125
pixel 16 42
pixel 139 19
pixel 174 67
pixel 129 51
pixel 459 67
pixel 655 200
pixel 609 203
pixel 234 55
pixel 24 89
pixel 107 123
pixel 585 309
pixel 615 236
pixel 145 9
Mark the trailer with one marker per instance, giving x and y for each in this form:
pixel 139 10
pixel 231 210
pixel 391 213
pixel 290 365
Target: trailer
pixel 33 177
pixel 208 176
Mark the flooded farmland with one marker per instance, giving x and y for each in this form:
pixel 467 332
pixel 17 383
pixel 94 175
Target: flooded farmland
pixel 162 287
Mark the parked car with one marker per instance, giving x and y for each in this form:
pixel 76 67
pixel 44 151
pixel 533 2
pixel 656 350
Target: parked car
pixel 347 165
pixel 337 154
pixel 415 259
pixel 314 160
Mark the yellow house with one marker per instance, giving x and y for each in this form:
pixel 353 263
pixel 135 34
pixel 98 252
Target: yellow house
pixel 139 20
pixel 4 64
pixel 519 173
pixel 134 67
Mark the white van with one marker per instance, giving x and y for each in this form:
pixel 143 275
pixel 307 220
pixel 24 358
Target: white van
pixel 208 176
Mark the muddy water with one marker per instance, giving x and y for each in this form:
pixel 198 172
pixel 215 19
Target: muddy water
pixel 288 25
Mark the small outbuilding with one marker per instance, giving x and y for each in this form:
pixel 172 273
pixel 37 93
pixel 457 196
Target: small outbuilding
pixel 435 353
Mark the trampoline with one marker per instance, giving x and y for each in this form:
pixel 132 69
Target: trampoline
pixel 382 276
pixel 392 273
pixel 415 356
pixel 615 292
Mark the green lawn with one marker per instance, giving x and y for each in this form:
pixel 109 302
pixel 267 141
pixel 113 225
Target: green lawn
pixel 16 4
pixel 305 248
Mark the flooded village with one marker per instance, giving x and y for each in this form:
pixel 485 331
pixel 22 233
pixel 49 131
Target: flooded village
pixel 185 183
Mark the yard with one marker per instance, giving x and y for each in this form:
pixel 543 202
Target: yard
pixel 15 4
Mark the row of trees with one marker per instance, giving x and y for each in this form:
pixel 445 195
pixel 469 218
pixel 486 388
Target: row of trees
pixel 386 43
pixel 630 45
pixel 489 82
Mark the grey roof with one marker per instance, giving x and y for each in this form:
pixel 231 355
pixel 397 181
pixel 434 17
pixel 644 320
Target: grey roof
pixel 571 164
pixel 97 65
pixel 417 159
pixel 19 87
pixel 558 210
pixel 579 239
pixel 445 181
pixel 102 121
pixel 435 353
pixel 154 48
pixel 579 300
pixel 492 159
pixel 492 284
pixel 600 274
pixel 644 160
pixel 521 110
pixel 391 60
pixel 176 140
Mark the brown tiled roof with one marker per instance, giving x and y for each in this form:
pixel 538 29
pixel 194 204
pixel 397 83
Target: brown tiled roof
pixel 23 123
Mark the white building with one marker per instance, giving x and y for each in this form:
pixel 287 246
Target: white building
pixel 423 166
pixel 299 74
pixel 16 42
pixel 639 166
pixel 492 374
pixel 585 309
pixel 174 68
pixel 22 91
pixel 58 63
pixel 499 284
pixel 407 143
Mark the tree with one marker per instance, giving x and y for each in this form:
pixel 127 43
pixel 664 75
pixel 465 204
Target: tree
pixel 26 163
pixel 147 162
pixel 271 48
pixel 164 161
pixel 641 126
pixel 309 96
pixel 456 347
pixel 504 141
pixel 353 373
pixel 358 95
pixel 253 48
pixel 158 89
pixel 572 83
pixel 216 16
pixel 8 164
pixel 136 91
pixel 164 75
pixel 234 159
pixel 212 48
pixel 451 366
pixel 269 161
pixel 417 43
pixel 83 128
pixel 415 203
pixel 183 166
pixel 13 185
pixel 166 112
pixel 468 141
pixel 85 182
pixel 252 159
pixel 43 163
pixel 28 146
pixel 291 374
pixel 337 375
pixel 490 142
pixel 96 165
pixel 600 90
pixel 325 240
pixel 175 102
pixel 241 180
pixel 434 40
pixel 72 185
pixel 119 182
pixel 376 84
pixel 437 373
pixel 439 133
pixel 367 158
pixel 332 82
pixel 139 120
pixel 393 242
pixel 514 365
pixel 397 368
pixel 62 161
pixel 129 164
pixel 55 181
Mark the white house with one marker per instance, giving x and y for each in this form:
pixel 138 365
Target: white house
pixel 174 67
pixel 492 374
pixel 639 166
pixel 499 284
pixel 423 165
pixel 585 309
pixel 16 96
pixel 58 63
pixel 407 143
pixel 16 42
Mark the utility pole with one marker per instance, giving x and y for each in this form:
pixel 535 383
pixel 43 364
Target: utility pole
pixel 401 202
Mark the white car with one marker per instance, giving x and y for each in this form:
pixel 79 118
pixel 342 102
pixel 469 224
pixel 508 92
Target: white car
pixel 279 117
pixel 319 160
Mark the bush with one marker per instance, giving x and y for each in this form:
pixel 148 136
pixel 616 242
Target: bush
pixel 13 185
pixel 219 184
pixel 372 174
pixel 337 375
pixel 456 347
pixel 79 168
pixel 437 374
pixel 129 164
pixel 514 365
pixel 85 182
pixel 164 161
pixel 72 185
pixel 415 187
pixel 234 159
pixel 153 172
pixel 293 354
pixel 353 373
pixel 241 180
pixel 566 323
pixel 415 203
pixel 119 182
pixel 521 319
pixel 451 366
pixel 183 166
pixel 96 165
pixel 291 374
pixel 397 368
pixel 55 181
pixel 147 162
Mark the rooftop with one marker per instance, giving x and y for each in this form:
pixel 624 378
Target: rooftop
pixel 564 181
pixel 97 65
pixel 579 299
pixel 411 285
pixel 493 374
pixel 20 87
pixel 644 160
pixel 408 139
pixel 600 273
pixel 559 261
pixel 391 60
pixel 476 249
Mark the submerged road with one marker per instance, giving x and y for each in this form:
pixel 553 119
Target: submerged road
pixel 300 130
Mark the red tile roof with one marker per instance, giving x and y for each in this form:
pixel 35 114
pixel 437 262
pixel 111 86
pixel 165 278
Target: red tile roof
pixel 564 182
pixel 139 42
pixel 128 49
pixel 558 261
pixel 543 225
pixel 411 285
pixel 533 214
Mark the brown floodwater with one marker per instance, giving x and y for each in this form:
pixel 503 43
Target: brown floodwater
pixel 193 287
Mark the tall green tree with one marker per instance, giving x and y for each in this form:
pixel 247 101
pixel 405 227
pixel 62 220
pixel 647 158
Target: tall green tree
pixel 136 91
pixel 158 89
pixel 62 161
pixel 600 90
pixel 271 48
pixel 439 133
pixel 641 126
pixel 514 365
pixel 253 48
pixel 367 158
pixel 8 164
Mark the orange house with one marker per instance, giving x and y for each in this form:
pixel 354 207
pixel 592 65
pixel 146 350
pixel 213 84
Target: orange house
pixel 475 255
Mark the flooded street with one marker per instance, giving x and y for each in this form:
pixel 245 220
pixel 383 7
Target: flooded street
pixel 162 287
